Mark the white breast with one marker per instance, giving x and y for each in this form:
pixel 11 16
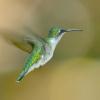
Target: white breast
pixel 47 56
pixel 49 51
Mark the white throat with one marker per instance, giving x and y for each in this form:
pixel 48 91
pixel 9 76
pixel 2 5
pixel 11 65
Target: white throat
pixel 54 42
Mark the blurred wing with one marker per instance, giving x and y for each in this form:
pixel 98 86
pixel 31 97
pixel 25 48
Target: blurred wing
pixel 36 37
pixel 19 41
pixel 24 41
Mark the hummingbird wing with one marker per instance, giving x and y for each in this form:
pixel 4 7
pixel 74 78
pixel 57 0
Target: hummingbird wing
pixel 25 42
pixel 35 58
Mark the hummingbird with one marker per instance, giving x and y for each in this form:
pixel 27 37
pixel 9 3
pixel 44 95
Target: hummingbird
pixel 40 49
pixel 43 49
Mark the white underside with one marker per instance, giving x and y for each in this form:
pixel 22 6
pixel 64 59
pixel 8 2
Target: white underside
pixel 41 62
pixel 45 58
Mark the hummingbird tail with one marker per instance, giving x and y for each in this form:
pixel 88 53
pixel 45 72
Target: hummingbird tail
pixel 21 76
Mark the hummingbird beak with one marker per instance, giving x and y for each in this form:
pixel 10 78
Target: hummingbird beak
pixel 69 30
pixel 72 30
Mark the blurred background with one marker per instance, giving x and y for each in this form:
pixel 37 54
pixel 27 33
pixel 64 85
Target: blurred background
pixel 74 71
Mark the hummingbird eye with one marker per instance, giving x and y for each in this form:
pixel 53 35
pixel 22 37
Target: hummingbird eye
pixel 62 31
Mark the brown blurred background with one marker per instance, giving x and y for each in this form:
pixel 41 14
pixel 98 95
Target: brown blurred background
pixel 74 71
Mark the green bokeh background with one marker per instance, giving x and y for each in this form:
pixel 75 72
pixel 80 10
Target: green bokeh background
pixel 74 71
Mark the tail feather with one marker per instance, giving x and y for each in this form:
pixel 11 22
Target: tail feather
pixel 21 76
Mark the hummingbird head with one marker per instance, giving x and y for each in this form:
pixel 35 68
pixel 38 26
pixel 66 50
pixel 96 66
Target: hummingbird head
pixel 55 32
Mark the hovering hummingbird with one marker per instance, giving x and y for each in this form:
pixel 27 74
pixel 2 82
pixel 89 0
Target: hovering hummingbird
pixel 42 49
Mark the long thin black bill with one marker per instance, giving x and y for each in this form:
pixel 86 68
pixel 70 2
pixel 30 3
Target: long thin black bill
pixel 73 30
